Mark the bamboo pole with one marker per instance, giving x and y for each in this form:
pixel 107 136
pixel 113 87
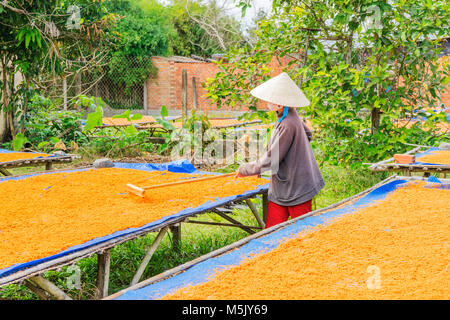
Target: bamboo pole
pixel 103 271
pixel 5 172
pixel 36 290
pixel 148 256
pixel 48 166
pixel 49 287
pixel 176 236
pixel 255 213
pixel 65 92
pixel 222 224
pixel 265 204
pixel 242 226
pixel 187 181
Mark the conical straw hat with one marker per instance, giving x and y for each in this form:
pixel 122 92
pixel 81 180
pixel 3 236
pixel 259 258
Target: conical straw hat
pixel 281 90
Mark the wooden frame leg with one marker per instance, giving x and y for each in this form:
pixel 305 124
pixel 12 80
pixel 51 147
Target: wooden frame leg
pixel 5 172
pixel 176 236
pixel 255 213
pixel 44 295
pixel 265 205
pixel 103 270
pixel 235 222
pixel 148 256
pixel 48 166
pixel 45 285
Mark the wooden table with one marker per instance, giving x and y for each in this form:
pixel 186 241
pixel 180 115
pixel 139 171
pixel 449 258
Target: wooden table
pixel 409 169
pixel 32 278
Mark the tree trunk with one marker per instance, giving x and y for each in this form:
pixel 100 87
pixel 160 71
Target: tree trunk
pixel 376 117
pixel 5 132
pixel 25 108
pixel 376 113
pixel 348 54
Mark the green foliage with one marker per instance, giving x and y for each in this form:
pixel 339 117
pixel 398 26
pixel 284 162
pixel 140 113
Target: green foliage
pixel 117 105
pixel 95 118
pixel 190 37
pixel 19 141
pixel 190 137
pixel 123 142
pixel 126 143
pixel 137 37
pixel 35 37
pixel 89 103
pixel 130 130
pixel 368 64
pixel 162 121
pixel 129 71
pixel 46 125
pixel 232 83
pixel 127 115
pixel 196 119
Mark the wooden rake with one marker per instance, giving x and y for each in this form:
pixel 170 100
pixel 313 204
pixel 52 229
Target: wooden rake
pixel 140 191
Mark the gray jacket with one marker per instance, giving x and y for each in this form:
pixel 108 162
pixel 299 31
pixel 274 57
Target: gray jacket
pixel 296 177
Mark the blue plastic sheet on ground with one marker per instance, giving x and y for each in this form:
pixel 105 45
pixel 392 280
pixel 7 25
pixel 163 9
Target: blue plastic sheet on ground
pixel 428 152
pixel 180 166
pixel 199 273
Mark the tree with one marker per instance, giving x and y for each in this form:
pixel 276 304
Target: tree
pixel 363 64
pixel 204 27
pixel 189 38
pixel 141 32
pixel 44 36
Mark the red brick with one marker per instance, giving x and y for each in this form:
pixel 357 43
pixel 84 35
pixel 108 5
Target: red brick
pixel 404 158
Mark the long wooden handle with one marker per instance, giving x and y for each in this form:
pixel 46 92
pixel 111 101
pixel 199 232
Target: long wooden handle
pixel 188 181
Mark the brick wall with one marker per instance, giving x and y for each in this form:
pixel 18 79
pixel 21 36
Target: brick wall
pixel 165 88
pixel 201 71
pixel 159 89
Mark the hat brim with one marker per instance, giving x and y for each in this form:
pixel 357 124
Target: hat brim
pixel 281 90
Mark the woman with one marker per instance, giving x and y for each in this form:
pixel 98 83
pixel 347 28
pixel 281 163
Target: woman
pixel 295 175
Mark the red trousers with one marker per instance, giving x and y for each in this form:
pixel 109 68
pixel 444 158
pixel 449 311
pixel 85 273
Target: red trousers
pixel 277 214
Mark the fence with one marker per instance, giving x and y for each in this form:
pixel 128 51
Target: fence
pixel 99 82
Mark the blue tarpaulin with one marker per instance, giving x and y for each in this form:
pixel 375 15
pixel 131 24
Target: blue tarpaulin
pixel 202 271
pixel 181 166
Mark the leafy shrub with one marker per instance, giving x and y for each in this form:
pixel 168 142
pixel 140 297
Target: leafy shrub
pixel 45 126
pixel 118 142
pixel 124 144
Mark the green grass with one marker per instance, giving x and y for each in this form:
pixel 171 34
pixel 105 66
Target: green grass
pixel 197 240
